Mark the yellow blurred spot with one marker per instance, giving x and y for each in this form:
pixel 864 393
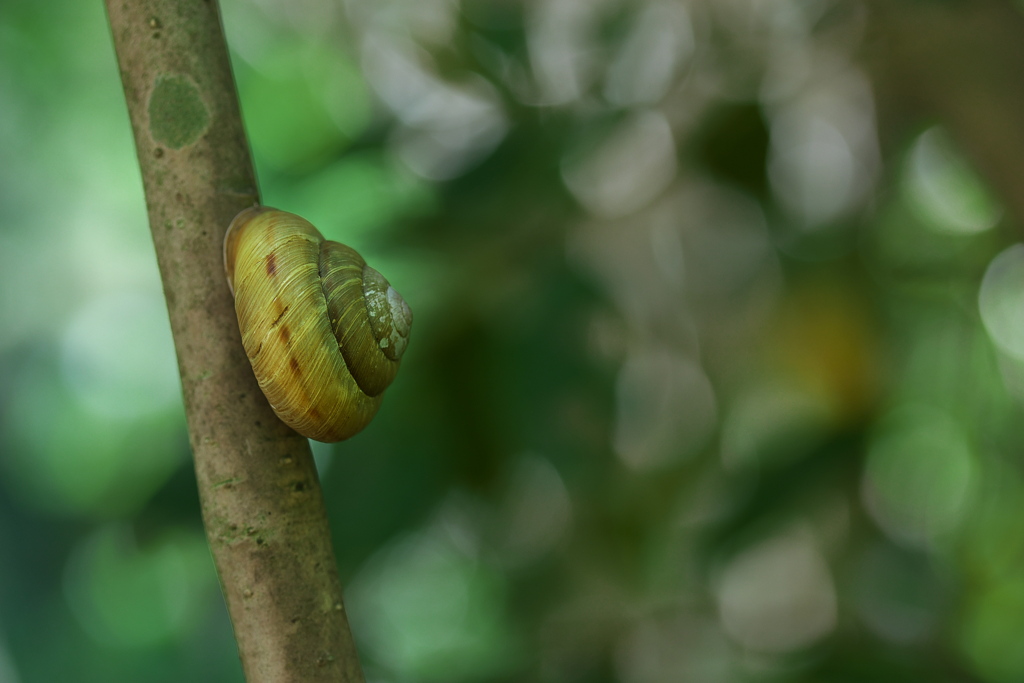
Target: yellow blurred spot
pixel 823 340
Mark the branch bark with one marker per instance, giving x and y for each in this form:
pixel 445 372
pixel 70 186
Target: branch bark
pixel 261 500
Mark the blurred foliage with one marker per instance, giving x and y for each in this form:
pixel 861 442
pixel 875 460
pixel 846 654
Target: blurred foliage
pixel 706 384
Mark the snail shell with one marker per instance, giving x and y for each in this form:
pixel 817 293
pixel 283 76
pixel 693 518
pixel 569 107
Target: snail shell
pixel 325 332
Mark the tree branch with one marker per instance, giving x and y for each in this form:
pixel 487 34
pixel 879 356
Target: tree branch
pixel 261 501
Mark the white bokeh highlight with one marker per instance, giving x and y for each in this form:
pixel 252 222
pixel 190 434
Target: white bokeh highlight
pixel 1001 301
pixel 778 596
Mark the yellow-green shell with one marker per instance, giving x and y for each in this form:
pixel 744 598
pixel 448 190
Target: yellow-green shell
pixel 324 332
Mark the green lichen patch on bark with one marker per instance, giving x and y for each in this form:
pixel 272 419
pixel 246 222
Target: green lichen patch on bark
pixel 177 115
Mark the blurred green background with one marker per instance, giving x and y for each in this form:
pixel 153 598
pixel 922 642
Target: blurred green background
pixel 718 364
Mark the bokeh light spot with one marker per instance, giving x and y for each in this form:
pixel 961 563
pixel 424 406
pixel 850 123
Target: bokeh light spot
pixel 127 596
pixel 627 170
pixel 118 356
pixel 426 610
pixel 666 409
pixel 1001 301
pixel 537 511
pixel 812 168
pixel 898 595
pixel 920 475
pixel 944 191
pixel 778 596
pixel 659 41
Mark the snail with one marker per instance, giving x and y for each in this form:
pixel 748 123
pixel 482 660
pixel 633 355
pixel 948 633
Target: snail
pixel 324 332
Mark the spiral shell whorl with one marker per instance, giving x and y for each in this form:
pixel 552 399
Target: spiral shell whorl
pixel 322 344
